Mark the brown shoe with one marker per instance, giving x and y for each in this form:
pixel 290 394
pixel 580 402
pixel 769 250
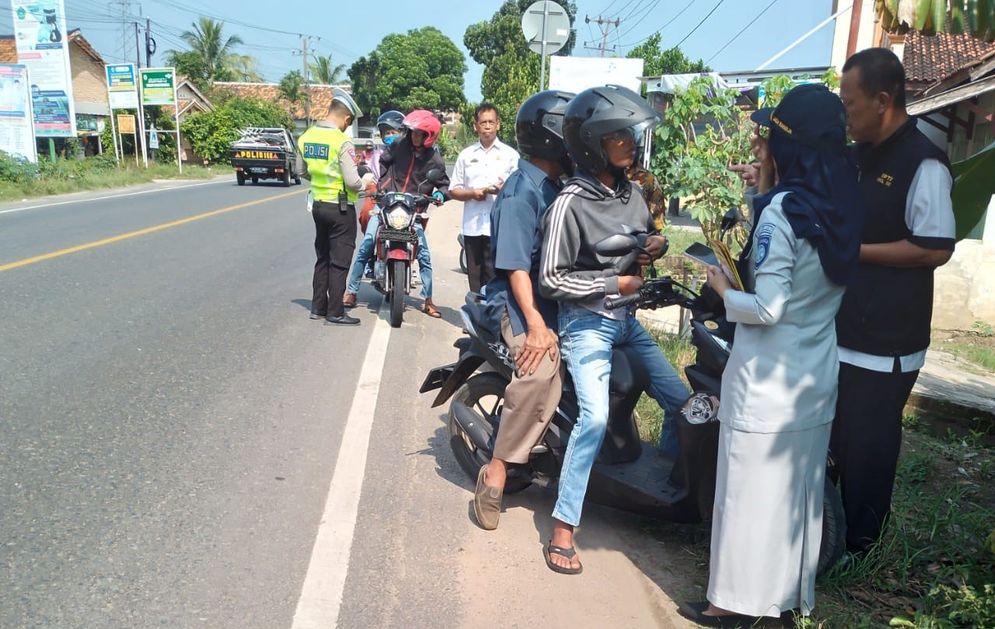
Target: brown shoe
pixel 430 309
pixel 486 503
pixel 349 300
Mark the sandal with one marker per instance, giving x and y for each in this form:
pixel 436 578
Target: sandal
pixel 431 311
pixel 695 612
pixel 569 553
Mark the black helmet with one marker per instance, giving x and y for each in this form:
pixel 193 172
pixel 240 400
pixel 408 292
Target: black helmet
pixel 393 119
pixel 598 112
pixel 539 125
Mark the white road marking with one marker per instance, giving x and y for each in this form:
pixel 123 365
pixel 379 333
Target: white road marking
pixel 321 596
pixel 113 196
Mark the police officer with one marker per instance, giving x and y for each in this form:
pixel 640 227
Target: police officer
pixel 335 184
pixel 884 322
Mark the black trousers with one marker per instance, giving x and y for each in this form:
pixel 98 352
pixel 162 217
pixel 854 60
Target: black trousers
pixel 866 439
pixel 334 243
pixel 479 269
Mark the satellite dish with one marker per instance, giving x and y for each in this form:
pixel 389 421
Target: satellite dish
pixel 546 26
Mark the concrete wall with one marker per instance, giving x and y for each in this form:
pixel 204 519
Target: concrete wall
pixel 965 286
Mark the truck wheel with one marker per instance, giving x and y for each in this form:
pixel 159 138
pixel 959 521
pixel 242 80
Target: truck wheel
pixel 286 179
pixel 297 179
pixel 255 180
pixel 240 178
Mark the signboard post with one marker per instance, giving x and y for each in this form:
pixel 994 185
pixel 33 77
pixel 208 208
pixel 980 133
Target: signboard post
pixel 122 93
pixel 159 88
pixel 17 135
pixel 126 124
pixel 546 26
pixel 42 46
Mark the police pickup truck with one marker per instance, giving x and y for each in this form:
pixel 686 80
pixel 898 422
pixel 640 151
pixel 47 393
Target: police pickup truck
pixel 263 153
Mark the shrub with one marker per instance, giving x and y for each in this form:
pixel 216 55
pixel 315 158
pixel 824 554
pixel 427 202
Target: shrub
pixel 16 169
pixel 211 133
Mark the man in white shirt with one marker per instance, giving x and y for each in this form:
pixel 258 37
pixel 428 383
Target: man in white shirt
pixel 481 169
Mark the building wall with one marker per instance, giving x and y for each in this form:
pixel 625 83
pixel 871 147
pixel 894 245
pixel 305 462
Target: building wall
pixel 89 82
pixel 841 32
pixel 965 286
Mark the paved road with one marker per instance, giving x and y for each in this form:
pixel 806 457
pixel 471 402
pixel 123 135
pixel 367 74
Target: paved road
pixel 170 421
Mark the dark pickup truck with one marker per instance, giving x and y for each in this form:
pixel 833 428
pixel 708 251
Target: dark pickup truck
pixel 266 154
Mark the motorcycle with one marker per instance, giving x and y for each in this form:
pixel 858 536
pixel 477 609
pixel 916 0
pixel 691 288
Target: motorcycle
pixel 396 242
pixel 628 475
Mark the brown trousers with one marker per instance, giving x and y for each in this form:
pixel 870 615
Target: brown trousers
pixel 529 403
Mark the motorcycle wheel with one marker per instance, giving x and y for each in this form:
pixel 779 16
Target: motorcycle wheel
pixel 462 260
pixel 396 293
pixel 833 529
pixel 484 393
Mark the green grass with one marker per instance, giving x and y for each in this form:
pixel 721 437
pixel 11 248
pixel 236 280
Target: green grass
pixel 980 355
pixel 934 567
pixel 67 179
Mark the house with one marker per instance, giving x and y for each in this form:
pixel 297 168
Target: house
pixel 89 86
pixel 951 88
pixel 321 98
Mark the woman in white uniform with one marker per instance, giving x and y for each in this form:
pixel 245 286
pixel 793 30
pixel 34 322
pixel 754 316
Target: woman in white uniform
pixel 779 387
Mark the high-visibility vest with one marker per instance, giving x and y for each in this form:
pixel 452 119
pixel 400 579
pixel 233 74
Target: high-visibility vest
pixel 320 148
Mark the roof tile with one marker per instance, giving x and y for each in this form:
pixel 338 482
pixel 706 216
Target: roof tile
pixel 930 58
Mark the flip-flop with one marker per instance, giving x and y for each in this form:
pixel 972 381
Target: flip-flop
pixel 432 312
pixel 569 553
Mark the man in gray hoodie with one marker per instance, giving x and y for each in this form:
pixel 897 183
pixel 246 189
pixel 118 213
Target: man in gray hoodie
pixel 600 128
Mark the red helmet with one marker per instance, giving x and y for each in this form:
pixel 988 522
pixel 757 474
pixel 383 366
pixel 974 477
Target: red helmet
pixel 426 122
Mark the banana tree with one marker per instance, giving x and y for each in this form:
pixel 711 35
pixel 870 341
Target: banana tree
pixel 974 185
pixel 976 17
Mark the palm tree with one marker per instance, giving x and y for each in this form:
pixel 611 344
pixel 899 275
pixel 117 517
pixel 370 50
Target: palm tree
pixel 326 72
pixel 212 50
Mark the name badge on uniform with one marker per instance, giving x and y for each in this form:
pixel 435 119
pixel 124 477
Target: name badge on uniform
pixel 315 151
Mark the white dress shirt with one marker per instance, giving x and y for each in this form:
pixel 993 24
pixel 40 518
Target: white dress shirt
pixel 477 167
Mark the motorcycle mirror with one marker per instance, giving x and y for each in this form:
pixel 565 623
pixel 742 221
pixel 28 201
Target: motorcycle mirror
pixel 731 218
pixel 617 245
pixel 434 176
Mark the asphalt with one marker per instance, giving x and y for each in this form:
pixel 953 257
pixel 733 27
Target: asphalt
pixel 170 421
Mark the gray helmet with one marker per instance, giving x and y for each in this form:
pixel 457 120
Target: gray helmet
pixel 599 112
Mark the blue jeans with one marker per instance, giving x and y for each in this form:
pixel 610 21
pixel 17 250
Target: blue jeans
pixel 587 340
pixel 364 253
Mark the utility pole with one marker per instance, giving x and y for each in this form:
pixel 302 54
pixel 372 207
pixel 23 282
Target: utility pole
pixel 150 43
pixel 124 10
pixel 306 57
pixel 605 26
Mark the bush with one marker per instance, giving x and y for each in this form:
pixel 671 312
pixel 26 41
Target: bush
pixel 211 133
pixel 16 169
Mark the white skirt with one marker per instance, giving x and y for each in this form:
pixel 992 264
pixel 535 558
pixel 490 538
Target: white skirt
pixel 767 520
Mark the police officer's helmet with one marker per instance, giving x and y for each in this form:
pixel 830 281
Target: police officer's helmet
pixel 600 112
pixel 392 119
pixel 343 97
pixel 539 125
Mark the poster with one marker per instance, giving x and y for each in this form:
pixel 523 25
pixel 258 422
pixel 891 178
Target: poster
pixel 16 135
pixel 126 123
pixel 158 86
pixel 576 74
pixel 122 86
pixel 43 46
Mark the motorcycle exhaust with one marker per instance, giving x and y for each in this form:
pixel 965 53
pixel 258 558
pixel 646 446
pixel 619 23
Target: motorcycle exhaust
pixel 473 425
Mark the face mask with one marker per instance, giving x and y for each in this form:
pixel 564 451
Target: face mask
pixel 390 139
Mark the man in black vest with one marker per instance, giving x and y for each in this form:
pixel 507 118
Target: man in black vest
pixel 884 323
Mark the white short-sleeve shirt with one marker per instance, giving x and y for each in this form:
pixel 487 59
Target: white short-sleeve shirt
pixel 477 167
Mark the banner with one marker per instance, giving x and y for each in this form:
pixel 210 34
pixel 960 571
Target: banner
pixel 122 86
pixel 42 46
pixel 158 86
pixel 16 133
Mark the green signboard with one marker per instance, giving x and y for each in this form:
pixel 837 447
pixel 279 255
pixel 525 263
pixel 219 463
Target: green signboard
pixel 158 86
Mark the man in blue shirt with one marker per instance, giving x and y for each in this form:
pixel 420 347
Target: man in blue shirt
pixel 525 319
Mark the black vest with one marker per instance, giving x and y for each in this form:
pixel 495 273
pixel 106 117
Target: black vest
pixel 887 311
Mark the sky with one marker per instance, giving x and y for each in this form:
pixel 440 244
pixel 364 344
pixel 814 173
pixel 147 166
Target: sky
pixel 348 30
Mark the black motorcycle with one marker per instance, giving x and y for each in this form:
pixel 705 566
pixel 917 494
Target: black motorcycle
pixel 629 475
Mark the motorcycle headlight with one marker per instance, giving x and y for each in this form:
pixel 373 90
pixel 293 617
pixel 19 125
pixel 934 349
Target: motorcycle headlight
pixel 398 218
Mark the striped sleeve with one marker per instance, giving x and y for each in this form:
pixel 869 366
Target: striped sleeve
pixel 559 279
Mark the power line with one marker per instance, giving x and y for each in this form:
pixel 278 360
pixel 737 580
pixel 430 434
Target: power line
pixel 641 18
pixel 660 30
pixel 605 26
pixel 742 30
pixel 698 25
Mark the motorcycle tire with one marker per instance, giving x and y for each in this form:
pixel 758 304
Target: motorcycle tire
pixel 833 529
pixel 481 392
pixel 462 260
pixel 396 293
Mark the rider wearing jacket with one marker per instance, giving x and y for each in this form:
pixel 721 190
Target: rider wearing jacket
pixel 601 127
pixel 404 167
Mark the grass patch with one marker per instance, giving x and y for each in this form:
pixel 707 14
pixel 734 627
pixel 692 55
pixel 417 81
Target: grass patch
pixel 979 355
pixel 934 567
pixel 75 176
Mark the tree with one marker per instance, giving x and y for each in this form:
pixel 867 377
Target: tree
pixel 421 69
pixel 976 17
pixel 211 56
pixel 292 86
pixel 658 62
pixel 211 134
pixel 511 70
pixel 326 72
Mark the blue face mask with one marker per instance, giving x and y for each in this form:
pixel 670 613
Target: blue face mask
pixel 390 139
